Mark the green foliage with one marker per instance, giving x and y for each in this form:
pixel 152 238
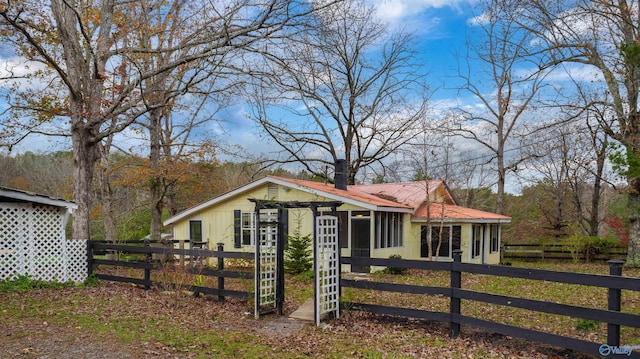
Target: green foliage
pixel 92 281
pixel 587 325
pixel 630 53
pixel 24 283
pixel 633 261
pixel 395 270
pixel 298 250
pixel 298 253
pixel 588 246
pixel 135 226
pixel 624 161
pixel 305 277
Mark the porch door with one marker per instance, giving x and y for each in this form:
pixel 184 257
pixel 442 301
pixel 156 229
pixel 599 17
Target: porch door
pixel 360 238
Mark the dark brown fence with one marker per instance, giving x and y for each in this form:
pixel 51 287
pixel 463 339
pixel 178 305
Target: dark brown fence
pixel 612 315
pixel 166 257
pixel 533 251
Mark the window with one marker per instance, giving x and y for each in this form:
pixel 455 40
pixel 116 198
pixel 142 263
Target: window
pixel 388 230
pixel 494 238
pixel 476 241
pixel 248 229
pixel 248 225
pixel 448 236
pixel 195 231
pixel 343 229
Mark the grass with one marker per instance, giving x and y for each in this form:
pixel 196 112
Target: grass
pixel 577 295
pixel 118 318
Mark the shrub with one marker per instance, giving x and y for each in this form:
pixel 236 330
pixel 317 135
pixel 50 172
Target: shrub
pixel 589 246
pixel 395 270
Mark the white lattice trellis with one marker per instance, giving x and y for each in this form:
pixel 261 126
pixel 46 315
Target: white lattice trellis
pixel 32 242
pixel 327 267
pixel 267 257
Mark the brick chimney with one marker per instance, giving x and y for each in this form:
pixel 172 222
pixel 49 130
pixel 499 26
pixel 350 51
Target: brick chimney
pixel 340 177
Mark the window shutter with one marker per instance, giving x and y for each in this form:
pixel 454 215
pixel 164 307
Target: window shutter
pixel 283 217
pixel 237 230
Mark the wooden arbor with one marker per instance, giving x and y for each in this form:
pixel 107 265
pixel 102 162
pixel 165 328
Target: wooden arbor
pixel 269 255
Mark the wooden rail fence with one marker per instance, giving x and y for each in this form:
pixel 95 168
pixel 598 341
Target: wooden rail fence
pixel 612 315
pixel 148 265
pixel 557 252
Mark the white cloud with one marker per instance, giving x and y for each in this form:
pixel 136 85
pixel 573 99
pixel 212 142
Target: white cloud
pixel 396 10
pixel 13 70
pixel 478 20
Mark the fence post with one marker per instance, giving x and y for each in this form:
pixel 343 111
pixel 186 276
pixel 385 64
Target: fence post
pixel 454 304
pixel 181 246
pixel 613 330
pixel 147 270
pixel 220 269
pixel 89 258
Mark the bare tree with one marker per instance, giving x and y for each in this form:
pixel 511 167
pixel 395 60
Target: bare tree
pixel 172 118
pixel 551 172
pixel 349 90
pixel 603 36
pixel 84 45
pixel 515 81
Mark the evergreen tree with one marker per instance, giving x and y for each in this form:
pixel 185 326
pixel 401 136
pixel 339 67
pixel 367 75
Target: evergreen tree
pixel 298 253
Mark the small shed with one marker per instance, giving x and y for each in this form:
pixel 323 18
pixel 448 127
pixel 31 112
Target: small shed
pixel 33 240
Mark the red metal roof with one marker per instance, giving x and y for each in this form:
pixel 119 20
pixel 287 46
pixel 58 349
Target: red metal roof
pixel 452 212
pixel 409 193
pixel 352 192
pixel 403 195
pixel 406 197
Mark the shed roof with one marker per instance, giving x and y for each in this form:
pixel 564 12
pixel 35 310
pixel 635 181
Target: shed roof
pixel 19 196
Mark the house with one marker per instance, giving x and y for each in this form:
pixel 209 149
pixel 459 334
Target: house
pixel 33 238
pixel 375 220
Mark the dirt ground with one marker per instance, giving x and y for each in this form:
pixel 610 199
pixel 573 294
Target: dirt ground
pixel 59 333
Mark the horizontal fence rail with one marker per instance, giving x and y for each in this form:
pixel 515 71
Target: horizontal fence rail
pixel 559 252
pixel 148 265
pixel 611 315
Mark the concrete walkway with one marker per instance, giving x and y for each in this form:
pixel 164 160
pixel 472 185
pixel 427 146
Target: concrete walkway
pixel 305 311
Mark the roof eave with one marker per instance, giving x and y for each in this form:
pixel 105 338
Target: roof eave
pixel 32 197
pixel 293 185
pixel 461 220
pixel 204 205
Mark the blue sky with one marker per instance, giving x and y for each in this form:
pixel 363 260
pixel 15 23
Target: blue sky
pixel 440 28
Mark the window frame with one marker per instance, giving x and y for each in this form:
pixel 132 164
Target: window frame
pixel 476 240
pixel 389 230
pixel 494 238
pixel 250 228
pixel 453 229
pixel 191 231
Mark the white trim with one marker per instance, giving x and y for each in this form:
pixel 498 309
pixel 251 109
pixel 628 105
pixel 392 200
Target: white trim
pixel 36 198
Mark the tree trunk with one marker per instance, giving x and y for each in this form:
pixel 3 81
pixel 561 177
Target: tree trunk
pixel 594 218
pixel 633 254
pixel 156 180
pixel 501 182
pixel 84 160
pixel 108 215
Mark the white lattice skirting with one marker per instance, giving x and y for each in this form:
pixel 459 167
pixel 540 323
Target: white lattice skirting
pixel 32 242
